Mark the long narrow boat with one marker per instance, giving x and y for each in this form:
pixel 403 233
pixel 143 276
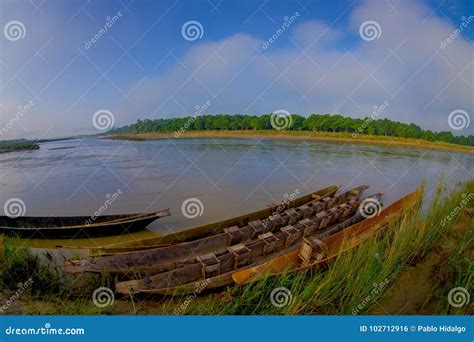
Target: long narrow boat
pixel 77 226
pixel 208 229
pixel 332 246
pixel 149 262
pixel 215 270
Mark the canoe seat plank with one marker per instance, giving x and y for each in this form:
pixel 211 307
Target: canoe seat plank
pixel 292 214
pixel 211 265
pixel 235 235
pixel 276 219
pixel 241 255
pixel 312 250
pixel 291 234
pixel 270 241
pixel 257 227
pixel 307 211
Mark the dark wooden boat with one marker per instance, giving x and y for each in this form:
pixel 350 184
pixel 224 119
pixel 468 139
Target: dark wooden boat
pixel 207 229
pixel 149 262
pixel 77 226
pixel 317 254
pixel 216 269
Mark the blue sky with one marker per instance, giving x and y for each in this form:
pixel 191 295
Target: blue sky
pixel 143 67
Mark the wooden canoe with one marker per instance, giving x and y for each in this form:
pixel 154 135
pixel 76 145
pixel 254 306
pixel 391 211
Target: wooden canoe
pixel 188 278
pixel 153 261
pixel 67 227
pixel 335 244
pixel 208 229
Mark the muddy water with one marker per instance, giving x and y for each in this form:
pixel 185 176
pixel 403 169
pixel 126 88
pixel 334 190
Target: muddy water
pixel 228 176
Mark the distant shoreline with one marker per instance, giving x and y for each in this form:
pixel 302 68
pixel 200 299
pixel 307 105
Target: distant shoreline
pixel 7 147
pixel 298 135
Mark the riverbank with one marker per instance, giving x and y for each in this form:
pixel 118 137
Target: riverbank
pixel 396 272
pixel 17 145
pixel 343 138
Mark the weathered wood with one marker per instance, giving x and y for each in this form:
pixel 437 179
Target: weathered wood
pixel 257 249
pixel 150 261
pixel 335 244
pixel 209 229
pixel 77 226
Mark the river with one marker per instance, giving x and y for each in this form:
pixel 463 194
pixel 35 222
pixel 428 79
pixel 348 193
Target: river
pixel 229 176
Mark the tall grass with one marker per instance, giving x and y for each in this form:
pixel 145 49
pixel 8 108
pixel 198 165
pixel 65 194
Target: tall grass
pixel 356 280
pixel 49 291
pixel 457 268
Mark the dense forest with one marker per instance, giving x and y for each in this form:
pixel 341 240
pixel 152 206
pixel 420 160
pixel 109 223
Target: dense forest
pixel 315 122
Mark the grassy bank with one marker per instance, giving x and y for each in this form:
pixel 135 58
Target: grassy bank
pixel 372 279
pixel 345 138
pixel 17 145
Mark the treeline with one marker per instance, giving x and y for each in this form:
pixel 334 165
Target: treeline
pixel 315 122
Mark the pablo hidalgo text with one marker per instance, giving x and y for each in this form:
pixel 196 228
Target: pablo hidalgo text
pixel 442 328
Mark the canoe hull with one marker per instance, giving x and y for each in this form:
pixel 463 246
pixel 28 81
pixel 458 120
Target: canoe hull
pixel 203 231
pixel 122 224
pixel 167 258
pixel 340 242
pixel 186 279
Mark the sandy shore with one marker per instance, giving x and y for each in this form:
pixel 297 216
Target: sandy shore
pixel 289 135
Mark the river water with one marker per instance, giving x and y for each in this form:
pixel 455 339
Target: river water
pixel 228 176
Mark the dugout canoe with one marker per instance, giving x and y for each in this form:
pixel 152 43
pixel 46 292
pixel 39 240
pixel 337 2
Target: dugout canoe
pixel 207 229
pixel 153 261
pixel 216 269
pixel 333 245
pixel 67 227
